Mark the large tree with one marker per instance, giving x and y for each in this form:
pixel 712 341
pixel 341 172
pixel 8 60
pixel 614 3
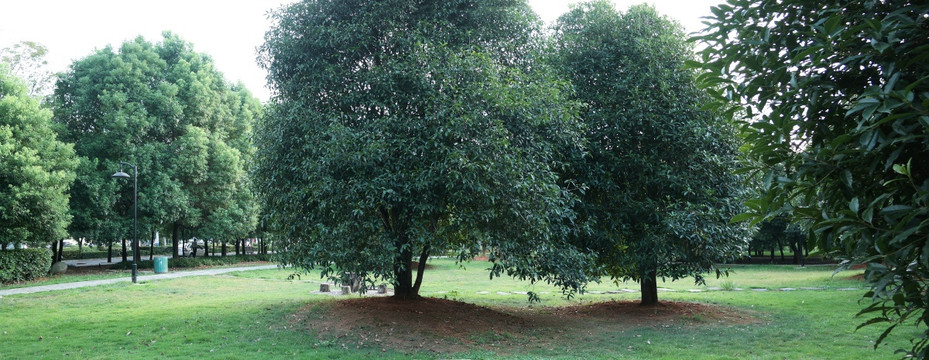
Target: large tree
pixel 36 169
pixel 658 177
pixel 166 109
pixel 404 128
pixel 837 94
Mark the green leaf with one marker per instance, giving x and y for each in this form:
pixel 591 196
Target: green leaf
pixel 847 179
pixel 872 321
pixel 904 235
pixel 833 26
pixel 883 335
pixel 853 205
pixel 866 105
pixel 896 210
pixel 742 217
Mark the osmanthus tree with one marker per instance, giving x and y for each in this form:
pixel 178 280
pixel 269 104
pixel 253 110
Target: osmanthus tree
pixel 660 189
pixel 403 128
pixel 166 109
pixel 36 169
pixel 838 94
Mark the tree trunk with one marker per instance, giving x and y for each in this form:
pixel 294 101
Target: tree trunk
pixel 649 286
pixel 151 251
pixel 54 251
pixel 237 246
pixel 124 252
pixel 224 249
pixel 174 240
pixel 80 248
pixel 403 276
pixel 109 252
pixel 423 257
pixel 61 249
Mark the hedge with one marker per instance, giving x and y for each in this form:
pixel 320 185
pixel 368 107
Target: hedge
pixel 24 265
pixel 192 262
pixel 72 253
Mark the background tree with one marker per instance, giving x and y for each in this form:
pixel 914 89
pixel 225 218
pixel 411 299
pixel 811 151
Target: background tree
pixel 26 60
pixel 92 201
pixel 838 93
pixel 660 189
pixel 166 109
pixel 400 128
pixel 36 169
pixel 775 234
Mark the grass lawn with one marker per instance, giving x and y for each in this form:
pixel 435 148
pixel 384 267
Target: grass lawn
pixel 261 314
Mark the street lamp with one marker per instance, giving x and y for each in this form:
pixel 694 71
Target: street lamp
pixel 135 201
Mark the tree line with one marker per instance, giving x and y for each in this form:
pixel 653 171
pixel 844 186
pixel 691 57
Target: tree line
pixel 163 107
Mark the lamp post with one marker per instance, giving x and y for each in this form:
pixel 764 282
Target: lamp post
pixel 135 201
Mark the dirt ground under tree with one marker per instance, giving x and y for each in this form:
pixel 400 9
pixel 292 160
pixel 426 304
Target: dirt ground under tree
pixel 444 326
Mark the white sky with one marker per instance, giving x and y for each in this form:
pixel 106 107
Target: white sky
pixel 228 31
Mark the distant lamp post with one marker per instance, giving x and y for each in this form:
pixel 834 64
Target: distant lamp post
pixel 135 202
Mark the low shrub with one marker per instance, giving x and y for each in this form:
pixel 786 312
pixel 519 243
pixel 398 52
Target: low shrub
pixel 24 265
pixel 193 262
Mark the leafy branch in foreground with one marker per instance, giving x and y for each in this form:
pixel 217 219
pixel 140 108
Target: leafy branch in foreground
pixel 838 95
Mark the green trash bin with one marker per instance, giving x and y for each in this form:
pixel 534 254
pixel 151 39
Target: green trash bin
pixel 161 265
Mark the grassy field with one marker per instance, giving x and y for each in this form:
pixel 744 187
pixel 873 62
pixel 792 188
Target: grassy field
pixel 262 314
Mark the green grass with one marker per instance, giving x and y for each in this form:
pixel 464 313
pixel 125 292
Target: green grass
pixel 251 315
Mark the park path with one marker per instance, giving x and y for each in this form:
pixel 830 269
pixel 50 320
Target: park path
pixel 170 275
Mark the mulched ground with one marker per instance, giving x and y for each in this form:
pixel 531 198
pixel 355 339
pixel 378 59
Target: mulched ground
pixel 443 326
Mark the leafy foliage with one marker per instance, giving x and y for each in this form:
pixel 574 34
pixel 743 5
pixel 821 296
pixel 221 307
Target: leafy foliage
pixel 659 188
pixel 36 170
pixel 409 127
pixel 838 94
pixel 23 265
pixel 166 109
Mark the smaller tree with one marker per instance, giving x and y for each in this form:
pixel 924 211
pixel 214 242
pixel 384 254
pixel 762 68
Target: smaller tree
pixel 36 170
pixel 660 189
pixel 775 234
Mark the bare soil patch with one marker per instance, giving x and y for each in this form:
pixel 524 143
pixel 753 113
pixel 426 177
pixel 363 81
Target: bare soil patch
pixel 442 326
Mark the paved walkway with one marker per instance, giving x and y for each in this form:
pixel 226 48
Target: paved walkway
pixel 170 275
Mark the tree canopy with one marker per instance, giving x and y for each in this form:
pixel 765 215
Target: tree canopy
pixel 837 94
pixel 36 169
pixel 659 184
pixel 166 109
pixel 406 128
